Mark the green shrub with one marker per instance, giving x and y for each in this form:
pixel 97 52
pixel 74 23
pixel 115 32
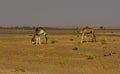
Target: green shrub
pixel 90 56
pixel 103 41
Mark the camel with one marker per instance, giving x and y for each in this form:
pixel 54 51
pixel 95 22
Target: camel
pixel 85 32
pixel 36 37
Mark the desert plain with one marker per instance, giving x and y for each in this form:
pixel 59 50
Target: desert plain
pixel 19 56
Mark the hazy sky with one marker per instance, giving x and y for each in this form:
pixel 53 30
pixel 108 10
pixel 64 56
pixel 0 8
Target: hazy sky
pixel 59 12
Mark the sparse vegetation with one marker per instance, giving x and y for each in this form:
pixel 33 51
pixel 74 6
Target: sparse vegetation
pixel 75 48
pixel 90 56
pixel 53 41
pixel 104 47
pixel 17 51
pixel 18 70
pixel 103 40
pixel 71 39
pixel 101 27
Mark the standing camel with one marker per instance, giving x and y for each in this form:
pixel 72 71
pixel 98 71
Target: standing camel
pixel 85 32
pixel 36 37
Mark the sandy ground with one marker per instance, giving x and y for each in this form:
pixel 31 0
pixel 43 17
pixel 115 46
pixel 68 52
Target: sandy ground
pixel 19 56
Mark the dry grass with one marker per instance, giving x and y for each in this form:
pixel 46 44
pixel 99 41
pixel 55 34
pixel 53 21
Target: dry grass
pixel 17 54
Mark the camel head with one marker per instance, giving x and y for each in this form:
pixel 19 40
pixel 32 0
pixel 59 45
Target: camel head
pixel 33 40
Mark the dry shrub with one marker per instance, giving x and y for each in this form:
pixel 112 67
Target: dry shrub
pixel 53 41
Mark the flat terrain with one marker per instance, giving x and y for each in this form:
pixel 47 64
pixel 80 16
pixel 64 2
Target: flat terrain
pixel 59 56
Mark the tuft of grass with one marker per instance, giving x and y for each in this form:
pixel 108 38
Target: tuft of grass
pixel 90 56
pixel 53 41
pixel 71 39
pixel 112 32
pixel 19 70
pixel 103 41
pixel 79 43
pixel 104 47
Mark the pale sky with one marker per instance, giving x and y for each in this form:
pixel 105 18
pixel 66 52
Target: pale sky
pixel 59 12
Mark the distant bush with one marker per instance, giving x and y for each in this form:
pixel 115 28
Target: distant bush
pixel 101 27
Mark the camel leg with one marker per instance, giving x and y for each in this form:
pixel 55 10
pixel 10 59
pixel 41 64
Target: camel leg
pixel 39 40
pixel 86 39
pixel 45 38
pixel 36 42
pixel 93 38
pixel 82 38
